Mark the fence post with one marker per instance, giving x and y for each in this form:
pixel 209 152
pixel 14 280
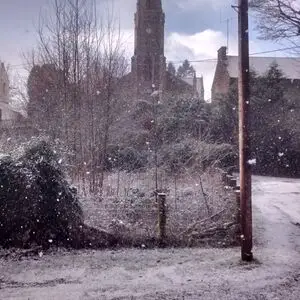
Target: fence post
pixel 162 219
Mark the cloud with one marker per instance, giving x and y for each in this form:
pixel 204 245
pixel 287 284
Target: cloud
pixel 189 5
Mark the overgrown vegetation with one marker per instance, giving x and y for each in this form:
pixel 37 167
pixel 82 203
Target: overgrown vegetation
pixel 37 205
pixel 274 124
pixel 78 98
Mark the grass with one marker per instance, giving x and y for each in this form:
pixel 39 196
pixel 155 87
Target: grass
pixel 128 209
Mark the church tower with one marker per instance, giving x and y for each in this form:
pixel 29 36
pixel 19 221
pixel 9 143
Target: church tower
pixel 149 63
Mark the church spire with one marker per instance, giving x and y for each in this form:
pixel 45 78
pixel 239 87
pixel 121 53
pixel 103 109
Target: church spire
pixel 150 4
pixel 148 62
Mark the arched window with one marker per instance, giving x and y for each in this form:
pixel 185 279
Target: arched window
pixel 148 69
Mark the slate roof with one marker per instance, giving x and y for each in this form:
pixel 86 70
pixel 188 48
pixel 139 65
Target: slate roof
pixel 290 66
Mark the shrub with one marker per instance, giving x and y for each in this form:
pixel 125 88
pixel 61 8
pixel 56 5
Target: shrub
pixel 37 205
pixel 126 159
pixel 197 156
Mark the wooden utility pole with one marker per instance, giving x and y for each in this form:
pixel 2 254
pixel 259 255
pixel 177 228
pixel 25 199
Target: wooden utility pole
pixel 244 137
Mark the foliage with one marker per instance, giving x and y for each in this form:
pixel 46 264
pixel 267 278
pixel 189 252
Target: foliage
pixel 184 118
pixel 36 203
pixel 171 69
pixel 126 159
pixel 177 156
pixel 185 70
pixel 272 139
pixel 196 156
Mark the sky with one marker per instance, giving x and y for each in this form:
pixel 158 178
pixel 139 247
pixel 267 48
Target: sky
pixel 195 30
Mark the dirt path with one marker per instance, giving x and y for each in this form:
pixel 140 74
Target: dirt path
pixel 175 274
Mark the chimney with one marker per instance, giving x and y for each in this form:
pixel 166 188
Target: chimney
pixel 222 54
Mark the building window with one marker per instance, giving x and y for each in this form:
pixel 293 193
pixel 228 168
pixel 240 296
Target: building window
pixel 149 4
pixel 4 88
pixel 147 69
pixel 0 115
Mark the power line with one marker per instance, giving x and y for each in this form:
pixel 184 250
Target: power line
pixel 276 50
pixel 251 54
pixel 212 60
pixel 194 61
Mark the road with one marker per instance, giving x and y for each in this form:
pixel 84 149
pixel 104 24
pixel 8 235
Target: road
pixel 176 273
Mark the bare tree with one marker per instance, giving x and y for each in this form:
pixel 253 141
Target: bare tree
pixel 86 52
pixel 278 19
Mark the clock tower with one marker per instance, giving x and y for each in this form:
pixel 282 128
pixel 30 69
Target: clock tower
pixel 148 65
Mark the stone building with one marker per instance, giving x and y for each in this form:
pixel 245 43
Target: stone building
pixel 148 64
pixel 227 73
pixel 8 115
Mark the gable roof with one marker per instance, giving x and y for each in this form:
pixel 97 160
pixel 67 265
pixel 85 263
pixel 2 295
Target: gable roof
pixel 290 66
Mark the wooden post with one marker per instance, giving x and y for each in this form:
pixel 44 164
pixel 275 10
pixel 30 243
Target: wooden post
pixel 238 203
pixel 244 136
pixel 162 219
pixel 238 214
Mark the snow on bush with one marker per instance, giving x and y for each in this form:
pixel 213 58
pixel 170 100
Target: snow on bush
pixel 37 205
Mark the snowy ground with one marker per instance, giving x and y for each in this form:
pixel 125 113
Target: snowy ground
pixel 180 273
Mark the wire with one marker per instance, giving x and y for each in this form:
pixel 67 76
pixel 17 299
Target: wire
pixel 276 50
pixel 256 53
pixel 212 60
pixel 194 61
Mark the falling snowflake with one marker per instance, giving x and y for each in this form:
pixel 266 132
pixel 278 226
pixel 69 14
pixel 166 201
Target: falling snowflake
pixel 252 161
pixel 280 154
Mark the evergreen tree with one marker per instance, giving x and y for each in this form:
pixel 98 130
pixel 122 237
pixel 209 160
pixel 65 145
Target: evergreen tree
pixel 171 68
pixel 273 138
pixel 185 70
